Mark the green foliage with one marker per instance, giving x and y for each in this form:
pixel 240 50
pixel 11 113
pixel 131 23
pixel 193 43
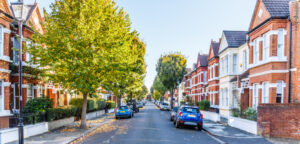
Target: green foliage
pixel 204 105
pixel 158 86
pixel 77 102
pixel 170 69
pixel 60 113
pixel 110 104
pixel 250 114
pixel 182 102
pixel 38 105
pixel 236 112
pixel 100 104
pixel 156 95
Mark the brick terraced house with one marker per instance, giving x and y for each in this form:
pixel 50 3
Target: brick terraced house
pixel 213 75
pixel 5 20
pixel 199 79
pixel 274 52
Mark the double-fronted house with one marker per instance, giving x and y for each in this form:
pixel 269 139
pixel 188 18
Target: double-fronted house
pixel 213 74
pixel 228 55
pixel 5 30
pixel 199 79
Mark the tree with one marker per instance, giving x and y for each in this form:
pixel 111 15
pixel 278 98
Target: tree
pixel 156 95
pixel 129 78
pixel 83 40
pixel 159 86
pixel 170 69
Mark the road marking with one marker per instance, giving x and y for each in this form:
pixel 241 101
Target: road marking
pixel 215 138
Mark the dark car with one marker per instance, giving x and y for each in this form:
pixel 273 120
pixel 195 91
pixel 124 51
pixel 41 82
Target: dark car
pixel 188 115
pixel 173 113
pixel 124 112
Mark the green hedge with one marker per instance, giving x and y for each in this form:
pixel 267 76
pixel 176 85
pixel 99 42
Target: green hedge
pixel 37 105
pixel 91 104
pixel 60 113
pixel 204 105
pixel 100 104
pixel 110 104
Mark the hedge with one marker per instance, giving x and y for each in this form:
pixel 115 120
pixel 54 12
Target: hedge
pixel 100 104
pixel 60 113
pixel 204 105
pixel 77 102
pixel 37 105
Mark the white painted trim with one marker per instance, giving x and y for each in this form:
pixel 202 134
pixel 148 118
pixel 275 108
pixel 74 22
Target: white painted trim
pixel 5 113
pixel 293 69
pixel 6 30
pixel 6 84
pixel 5 58
pixel 268 72
pixel 5 70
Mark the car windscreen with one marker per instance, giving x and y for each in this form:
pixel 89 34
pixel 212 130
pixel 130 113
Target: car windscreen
pixel 190 110
pixel 165 104
pixel 123 108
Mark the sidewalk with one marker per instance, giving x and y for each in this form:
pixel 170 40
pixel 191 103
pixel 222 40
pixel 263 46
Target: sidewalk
pixel 227 133
pixel 68 134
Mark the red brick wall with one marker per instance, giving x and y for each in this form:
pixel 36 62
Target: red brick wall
pixel 279 120
pixel 4 122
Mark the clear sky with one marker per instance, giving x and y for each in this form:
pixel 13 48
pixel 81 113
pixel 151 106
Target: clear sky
pixel 185 26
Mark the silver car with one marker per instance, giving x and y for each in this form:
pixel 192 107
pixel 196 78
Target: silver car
pixel 173 113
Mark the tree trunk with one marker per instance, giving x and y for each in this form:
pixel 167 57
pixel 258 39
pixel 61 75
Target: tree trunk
pixel 119 100
pixel 83 113
pixel 171 103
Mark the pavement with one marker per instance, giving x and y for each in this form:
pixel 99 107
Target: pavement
pixel 69 133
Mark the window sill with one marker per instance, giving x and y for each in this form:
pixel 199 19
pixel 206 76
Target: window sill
pixel 5 58
pixel 5 113
pixel 269 60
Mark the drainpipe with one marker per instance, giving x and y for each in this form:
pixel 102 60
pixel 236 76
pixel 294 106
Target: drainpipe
pixel 290 63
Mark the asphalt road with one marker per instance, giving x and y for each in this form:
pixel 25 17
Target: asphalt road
pixel 149 126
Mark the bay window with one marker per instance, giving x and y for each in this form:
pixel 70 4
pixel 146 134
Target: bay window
pixel 245 60
pixel 265 93
pixel 255 51
pixel 279 92
pixel 280 43
pixel 1 41
pixel 266 47
pixel 235 64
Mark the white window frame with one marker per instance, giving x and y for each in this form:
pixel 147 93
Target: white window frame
pixel 1 41
pixel 1 96
pixel 213 72
pixel 235 63
pixel 266 47
pixel 280 43
pixel 30 92
pixel 226 64
pixel 255 96
pixel 281 91
pixel 265 93
pixel 245 60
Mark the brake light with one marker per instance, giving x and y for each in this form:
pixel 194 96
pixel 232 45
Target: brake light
pixel 201 116
pixel 180 113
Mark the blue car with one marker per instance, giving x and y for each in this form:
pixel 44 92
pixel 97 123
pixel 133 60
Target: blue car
pixel 188 115
pixel 124 112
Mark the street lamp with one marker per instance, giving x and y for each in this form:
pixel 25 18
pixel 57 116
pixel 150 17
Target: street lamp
pixel 19 12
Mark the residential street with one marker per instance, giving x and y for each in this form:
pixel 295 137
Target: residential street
pixel 151 125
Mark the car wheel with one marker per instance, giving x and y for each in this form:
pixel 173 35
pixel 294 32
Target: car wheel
pixel 171 118
pixel 200 127
pixel 116 117
pixel 174 122
pixel 177 124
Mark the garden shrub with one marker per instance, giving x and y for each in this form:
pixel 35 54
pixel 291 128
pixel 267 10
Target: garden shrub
pixel 110 104
pixel 60 113
pixel 37 105
pixel 250 114
pixel 204 105
pixel 91 105
pixel 236 112
pixel 100 104
pixel 77 102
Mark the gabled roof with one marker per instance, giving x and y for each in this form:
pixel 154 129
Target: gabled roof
pixel 277 8
pixel 203 59
pixel 215 47
pixel 235 38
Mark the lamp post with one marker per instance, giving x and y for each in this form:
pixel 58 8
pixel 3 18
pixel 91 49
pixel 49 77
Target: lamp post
pixel 18 11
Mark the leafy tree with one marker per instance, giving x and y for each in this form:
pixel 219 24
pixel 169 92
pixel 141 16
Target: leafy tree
pixel 156 95
pixel 129 78
pixel 170 69
pixel 159 86
pixel 83 41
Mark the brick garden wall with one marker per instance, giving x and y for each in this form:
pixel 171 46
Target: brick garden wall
pixel 279 120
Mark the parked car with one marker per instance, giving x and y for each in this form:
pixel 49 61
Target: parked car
pixel 164 106
pixel 139 105
pixel 124 112
pixel 189 115
pixel 173 113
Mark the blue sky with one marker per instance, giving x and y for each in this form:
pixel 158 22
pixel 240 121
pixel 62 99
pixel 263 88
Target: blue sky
pixel 185 26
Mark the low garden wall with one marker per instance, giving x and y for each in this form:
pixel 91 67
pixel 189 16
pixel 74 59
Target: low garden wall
pixel 211 116
pixel 11 134
pixel 243 124
pixel 279 120
pixel 60 123
pixel 95 114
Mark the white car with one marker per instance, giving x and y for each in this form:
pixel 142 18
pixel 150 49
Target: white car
pixel 165 106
